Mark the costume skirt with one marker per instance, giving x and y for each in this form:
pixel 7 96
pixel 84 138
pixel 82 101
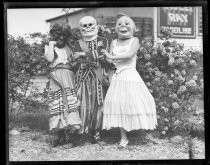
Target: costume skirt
pixel 90 92
pixel 128 103
pixel 63 102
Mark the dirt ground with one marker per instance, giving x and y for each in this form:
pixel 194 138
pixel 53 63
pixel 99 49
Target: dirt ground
pixel 34 145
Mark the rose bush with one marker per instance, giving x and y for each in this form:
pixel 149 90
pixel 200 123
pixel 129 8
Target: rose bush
pixel 174 76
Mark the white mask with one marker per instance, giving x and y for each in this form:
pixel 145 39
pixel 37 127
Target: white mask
pixel 88 28
pixel 125 27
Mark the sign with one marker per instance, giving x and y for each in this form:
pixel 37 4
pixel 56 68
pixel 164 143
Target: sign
pixel 200 22
pixel 181 20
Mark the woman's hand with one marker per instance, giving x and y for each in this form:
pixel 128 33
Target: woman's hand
pixel 78 55
pixel 106 54
pixel 53 43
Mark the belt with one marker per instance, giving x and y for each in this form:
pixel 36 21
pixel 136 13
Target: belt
pixel 60 66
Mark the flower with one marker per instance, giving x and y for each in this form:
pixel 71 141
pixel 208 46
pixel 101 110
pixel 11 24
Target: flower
pixel 147 56
pixel 162 107
pixel 147 76
pixel 148 84
pixel 187 53
pixel 157 79
pixel 183 72
pixel 108 30
pixel 149 69
pixel 193 62
pixel 171 61
pixel 143 50
pixel 172 75
pixel 191 83
pixel 166 120
pixel 177 62
pixel 170 82
pixel 181 89
pixel 173 96
pixel 157 73
pixel 175 105
pixel 164 75
pixel 166 109
pixel 176 72
pixel 201 82
pixel 100 43
pixel 195 77
pixel 148 64
pixel 151 91
pixel 163 53
pixel 154 53
pixel 173 43
pixel 176 122
pixel 180 78
pixel 163 132
pixel 166 128
pixel 160 48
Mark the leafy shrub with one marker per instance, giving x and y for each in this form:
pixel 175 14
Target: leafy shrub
pixel 24 61
pixel 174 77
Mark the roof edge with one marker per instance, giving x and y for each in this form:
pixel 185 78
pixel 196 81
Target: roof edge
pixel 72 13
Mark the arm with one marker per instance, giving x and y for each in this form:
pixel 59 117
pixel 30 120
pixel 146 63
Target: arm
pixel 133 50
pixel 110 52
pixel 95 55
pixel 49 51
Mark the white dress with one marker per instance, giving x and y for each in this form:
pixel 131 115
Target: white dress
pixel 128 102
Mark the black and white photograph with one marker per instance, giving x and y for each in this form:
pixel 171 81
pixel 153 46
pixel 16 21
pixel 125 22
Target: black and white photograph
pixel 105 83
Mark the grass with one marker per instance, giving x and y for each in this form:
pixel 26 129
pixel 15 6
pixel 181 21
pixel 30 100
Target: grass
pixel 39 120
pixel 34 120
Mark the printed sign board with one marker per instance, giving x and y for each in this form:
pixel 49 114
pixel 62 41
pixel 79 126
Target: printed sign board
pixel 181 20
pixel 200 22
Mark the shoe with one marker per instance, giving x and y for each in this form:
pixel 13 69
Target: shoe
pixel 93 140
pixel 101 143
pixel 123 145
pixel 69 145
pixel 55 143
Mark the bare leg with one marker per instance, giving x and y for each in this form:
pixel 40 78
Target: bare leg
pixel 123 136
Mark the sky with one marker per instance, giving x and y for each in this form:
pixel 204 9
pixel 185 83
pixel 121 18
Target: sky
pixel 23 21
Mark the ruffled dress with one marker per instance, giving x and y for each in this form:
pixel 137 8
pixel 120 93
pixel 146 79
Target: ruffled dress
pixel 128 102
pixel 63 101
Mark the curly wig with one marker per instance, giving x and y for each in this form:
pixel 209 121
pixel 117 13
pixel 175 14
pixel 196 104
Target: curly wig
pixel 57 31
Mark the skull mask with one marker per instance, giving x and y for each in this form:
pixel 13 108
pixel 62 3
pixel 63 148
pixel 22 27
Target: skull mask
pixel 88 28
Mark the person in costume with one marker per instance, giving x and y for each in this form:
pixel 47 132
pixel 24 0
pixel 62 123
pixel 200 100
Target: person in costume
pixel 63 101
pixel 90 77
pixel 128 103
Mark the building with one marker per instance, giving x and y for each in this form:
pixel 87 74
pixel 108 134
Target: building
pixel 185 22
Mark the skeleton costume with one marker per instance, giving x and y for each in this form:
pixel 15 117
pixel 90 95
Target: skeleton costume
pixel 63 102
pixel 90 79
